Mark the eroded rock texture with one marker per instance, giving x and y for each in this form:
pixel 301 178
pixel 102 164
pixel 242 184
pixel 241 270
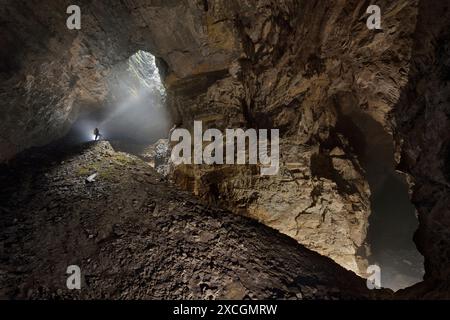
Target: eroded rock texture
pixel 336 90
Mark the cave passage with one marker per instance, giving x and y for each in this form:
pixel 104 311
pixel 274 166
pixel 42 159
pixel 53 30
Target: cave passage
pixel 392 225
pixel 135 115
pixel 393 220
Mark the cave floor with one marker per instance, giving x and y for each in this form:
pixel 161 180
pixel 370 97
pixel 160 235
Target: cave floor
pixel 136 236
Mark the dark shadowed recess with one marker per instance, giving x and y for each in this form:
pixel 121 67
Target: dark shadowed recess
pixel 393 219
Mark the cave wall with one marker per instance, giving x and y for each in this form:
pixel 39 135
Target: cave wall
pixel 422 131
pixel 310 68
pixel 50 74
pixel 313 70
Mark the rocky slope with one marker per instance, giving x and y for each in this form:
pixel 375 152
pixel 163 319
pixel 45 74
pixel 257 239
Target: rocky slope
pixel 339 93
pixel 135 236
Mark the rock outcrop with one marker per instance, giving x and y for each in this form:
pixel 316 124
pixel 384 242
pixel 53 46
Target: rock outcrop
pixel 422 133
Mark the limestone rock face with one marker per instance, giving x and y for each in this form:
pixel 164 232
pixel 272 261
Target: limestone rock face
pixel 337 91
pixel 317 73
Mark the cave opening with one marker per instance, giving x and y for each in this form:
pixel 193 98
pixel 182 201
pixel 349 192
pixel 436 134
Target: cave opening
pixel 134 115
pixel 393 219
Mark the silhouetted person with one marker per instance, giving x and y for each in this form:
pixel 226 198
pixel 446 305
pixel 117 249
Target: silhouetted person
pixel 172 130
pixel 97 134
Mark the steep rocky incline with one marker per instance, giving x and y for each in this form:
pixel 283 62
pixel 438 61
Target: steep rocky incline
pixel 343 96
pixel 135 236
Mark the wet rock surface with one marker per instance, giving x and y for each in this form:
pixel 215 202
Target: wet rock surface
pixel 135 236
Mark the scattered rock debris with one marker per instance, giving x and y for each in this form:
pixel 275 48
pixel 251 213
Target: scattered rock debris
pixel 135 237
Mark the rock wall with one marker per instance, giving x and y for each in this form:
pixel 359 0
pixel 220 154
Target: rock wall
pixel 51 73
pixel 313 70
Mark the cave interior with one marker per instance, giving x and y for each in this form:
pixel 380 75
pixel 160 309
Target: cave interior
pixel 364 149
